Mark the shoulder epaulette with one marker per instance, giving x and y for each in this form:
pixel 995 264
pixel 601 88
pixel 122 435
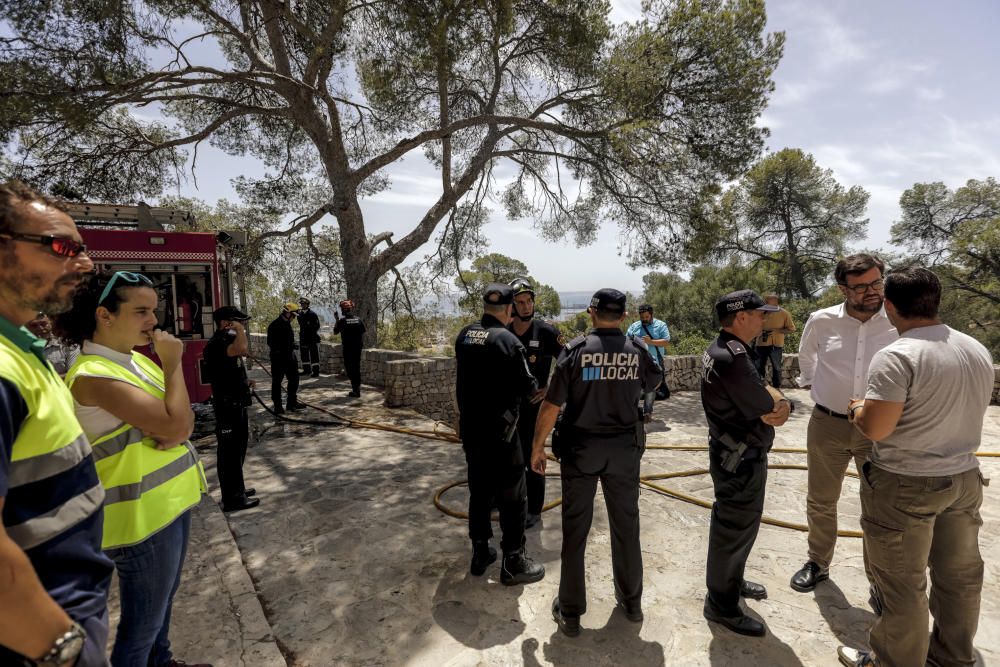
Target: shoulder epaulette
pixel 576 342
pixel 736 348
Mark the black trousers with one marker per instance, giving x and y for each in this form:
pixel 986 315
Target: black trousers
pixel 770 353
pixel 496 470
pixel 526 432
pixel 232 430
pixel 736 514
pixel 310 357
pixel 615 463
pixel 352 365
pixel 284 368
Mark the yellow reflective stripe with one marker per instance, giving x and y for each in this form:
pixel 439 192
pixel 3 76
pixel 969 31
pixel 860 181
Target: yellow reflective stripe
pixel 25 471
pixel 126 492
pixel 44 527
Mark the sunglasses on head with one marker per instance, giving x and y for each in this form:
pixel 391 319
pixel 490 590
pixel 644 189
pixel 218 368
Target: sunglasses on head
pixel 124 275
pixel 62 246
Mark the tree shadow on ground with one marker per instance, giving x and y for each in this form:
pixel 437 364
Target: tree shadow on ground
pixel 848 623
pixel 728 648
pixel 479 612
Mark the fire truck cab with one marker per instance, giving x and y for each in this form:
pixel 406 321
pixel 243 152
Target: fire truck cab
pixel 191 271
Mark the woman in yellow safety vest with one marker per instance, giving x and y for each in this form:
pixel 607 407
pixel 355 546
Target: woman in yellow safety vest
pixel 138 418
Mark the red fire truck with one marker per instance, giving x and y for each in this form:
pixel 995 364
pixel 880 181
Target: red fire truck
pixel 192 271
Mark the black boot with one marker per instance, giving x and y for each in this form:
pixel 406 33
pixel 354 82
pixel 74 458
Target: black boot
pixel 483 555
pixel 519 569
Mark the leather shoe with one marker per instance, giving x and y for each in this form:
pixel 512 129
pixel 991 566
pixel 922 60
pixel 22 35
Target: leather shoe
pixel 250 492
pixel 806 579
pixel 278 410
pixel 753 591
pixel 241 504
pixel 569 625
pixel 852 657
pixel 296 406
pixel 740 624
pixel 632 613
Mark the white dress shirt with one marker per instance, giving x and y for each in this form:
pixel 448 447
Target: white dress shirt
pixel 836 351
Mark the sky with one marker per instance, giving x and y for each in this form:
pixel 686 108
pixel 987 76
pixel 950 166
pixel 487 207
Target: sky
pixel 885 94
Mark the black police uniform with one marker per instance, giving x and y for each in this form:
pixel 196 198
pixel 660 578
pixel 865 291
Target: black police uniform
pixel 492 378
pixel 352 336
pixel 281 341
pixel 230 398
pixel 734 397
pixel 541 344
pixel 600 378
pixel 309 340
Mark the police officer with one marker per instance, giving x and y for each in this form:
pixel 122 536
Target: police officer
pixel 542 341
pixel 281 341
pixel 492 380
pixel 742 413
pixel 599 378
pixel 352 337
pixel 308 338
pixel 230 397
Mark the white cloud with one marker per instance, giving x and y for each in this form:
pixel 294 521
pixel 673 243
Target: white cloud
pixel 625 10
pixel 930 94
pixel 789 93
pixel 848 168
pixel 769 121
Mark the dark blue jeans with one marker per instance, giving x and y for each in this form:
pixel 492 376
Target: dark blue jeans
pixel 148 576
pixel 772 353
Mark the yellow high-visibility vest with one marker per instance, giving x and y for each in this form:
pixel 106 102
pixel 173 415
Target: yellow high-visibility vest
pixel 146 488
pixel 49 441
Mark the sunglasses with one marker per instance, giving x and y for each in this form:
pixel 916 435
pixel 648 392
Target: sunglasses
pixel 124 275
pixel 62 246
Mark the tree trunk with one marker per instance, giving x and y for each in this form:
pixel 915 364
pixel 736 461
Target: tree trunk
pixel 359 273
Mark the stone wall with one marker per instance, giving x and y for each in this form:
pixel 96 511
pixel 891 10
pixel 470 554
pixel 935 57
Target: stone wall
pixel 427 384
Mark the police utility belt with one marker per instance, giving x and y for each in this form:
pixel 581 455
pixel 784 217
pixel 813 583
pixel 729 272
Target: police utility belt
pixel 563 434
pixel 733 452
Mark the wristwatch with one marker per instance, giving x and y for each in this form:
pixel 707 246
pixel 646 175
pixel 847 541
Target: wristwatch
pixel 66 648
pixel 854 408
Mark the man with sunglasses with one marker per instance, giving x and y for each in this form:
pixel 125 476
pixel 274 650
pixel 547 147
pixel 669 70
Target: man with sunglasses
pixel 53 575
pixel 836 349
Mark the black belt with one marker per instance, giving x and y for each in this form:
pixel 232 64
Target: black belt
pixel 823 408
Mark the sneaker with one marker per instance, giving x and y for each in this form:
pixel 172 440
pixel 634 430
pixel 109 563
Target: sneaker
pixel 519 569
pixel 569 625
pixel 483 555
pixel 852 657
pixel 806 579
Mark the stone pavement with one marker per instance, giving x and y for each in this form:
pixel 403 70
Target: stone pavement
pixel 351 564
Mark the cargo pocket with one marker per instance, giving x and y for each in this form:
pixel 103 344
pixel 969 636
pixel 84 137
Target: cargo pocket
pixel 884 544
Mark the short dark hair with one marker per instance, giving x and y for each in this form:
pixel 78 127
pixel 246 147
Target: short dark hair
pixel 80 322
pixel 914 291
pixel 646 308
pixel 606 314
pixel 14 196
pixel 854 265
pixel 495 308
pixel 728 319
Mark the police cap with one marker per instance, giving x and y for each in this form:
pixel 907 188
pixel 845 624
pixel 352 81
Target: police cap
pixel 498 294
pixel 608 299
pixel 229 313
pixel 745 299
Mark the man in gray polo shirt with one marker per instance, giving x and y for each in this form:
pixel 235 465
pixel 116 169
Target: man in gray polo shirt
pixel 921 488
